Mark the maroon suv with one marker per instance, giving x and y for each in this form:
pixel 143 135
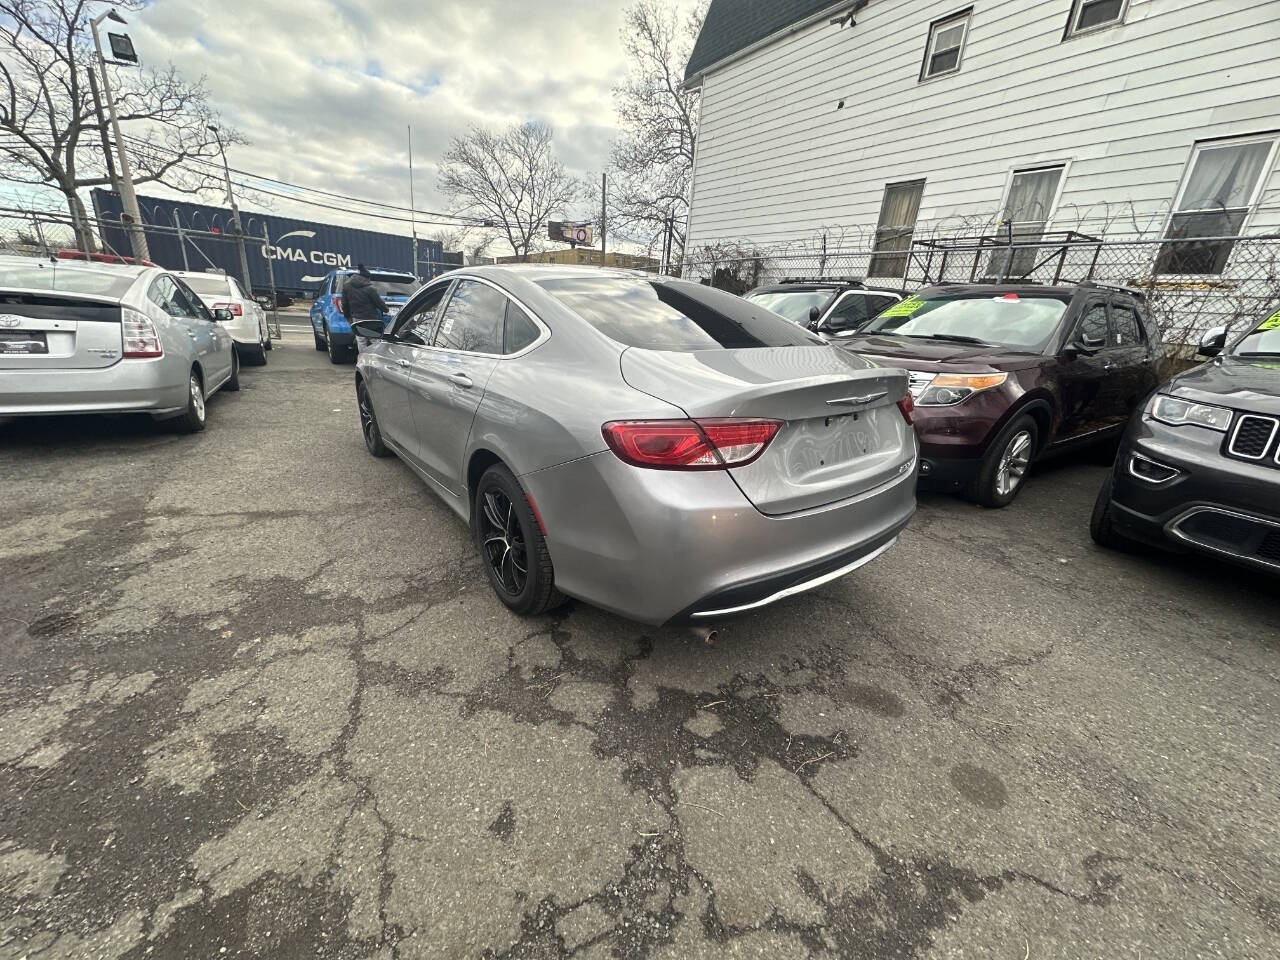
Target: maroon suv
pixel 1003 374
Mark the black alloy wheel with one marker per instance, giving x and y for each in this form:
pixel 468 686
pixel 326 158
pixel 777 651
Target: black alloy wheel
pixel 502 541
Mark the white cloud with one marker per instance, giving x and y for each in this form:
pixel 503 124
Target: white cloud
pixel 326 89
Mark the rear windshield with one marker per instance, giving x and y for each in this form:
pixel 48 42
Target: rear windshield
pixel 67 279
pixel 792 304
pixel 659 316
pixel 1004 319
pixel 212 284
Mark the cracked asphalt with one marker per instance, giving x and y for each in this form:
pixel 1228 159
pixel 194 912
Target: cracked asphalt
pixel 257 700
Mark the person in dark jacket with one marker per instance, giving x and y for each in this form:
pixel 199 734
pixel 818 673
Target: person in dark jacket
pixel 360 298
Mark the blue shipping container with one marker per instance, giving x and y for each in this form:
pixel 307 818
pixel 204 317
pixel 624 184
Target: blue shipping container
pixel 300 252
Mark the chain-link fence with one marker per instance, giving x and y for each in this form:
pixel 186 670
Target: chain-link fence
pixel 57 235
pixel 1190 285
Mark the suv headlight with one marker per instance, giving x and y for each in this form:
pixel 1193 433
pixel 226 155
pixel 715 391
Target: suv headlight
pixel 1177 412
pixel 948 389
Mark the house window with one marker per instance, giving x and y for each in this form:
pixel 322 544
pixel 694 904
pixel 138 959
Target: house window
pixel 1216 196
pixel 1028 207
pixel 946 42
pixel 1089 15
pixel 898 211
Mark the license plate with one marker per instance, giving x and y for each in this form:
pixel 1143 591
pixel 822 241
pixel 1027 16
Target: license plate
pixel 23 341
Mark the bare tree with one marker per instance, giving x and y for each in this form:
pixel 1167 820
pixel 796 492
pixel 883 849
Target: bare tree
pixel 653 155
pixel 472 242
pixel 49 125
pixel 512 178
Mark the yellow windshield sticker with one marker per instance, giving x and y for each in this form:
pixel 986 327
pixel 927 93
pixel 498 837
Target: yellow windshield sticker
pixel 1272 322
pixel 903 308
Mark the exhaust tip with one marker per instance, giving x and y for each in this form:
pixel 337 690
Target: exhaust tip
pixel 705 635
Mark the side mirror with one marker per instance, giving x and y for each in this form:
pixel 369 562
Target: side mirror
pixel 223 315
pixel 1078 348
pixel 1214 342
pixel 369 328
pixel 814 314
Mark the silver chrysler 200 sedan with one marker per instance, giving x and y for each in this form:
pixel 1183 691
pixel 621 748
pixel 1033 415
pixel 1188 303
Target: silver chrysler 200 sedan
pixel 655 447
pixel 108 338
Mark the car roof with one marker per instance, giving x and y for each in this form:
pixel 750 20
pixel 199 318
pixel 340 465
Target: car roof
pixel 553 271
pixel 1057 291
pixel 853 286
pixel 199 273
pixel 125 269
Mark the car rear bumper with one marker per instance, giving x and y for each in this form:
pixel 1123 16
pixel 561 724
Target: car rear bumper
pixel 671 546
pixel 128 386
pixel 1214 504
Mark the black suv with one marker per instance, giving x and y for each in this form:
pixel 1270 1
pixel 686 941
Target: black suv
pixel 835 307
pixel 1199 467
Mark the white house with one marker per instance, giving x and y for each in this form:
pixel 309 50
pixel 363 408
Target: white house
pixel 880 120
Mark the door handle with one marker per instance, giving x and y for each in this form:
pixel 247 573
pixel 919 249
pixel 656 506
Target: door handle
pixel 461 379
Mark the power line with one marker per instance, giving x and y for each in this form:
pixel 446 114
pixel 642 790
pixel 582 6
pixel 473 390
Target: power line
pixel 160 153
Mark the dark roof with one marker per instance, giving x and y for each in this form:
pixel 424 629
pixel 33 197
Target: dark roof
pixel 734 25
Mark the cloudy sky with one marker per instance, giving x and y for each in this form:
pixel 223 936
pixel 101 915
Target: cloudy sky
pixel 326 89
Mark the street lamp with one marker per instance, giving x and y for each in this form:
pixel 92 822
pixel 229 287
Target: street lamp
pixel 235 211
pixel 137 237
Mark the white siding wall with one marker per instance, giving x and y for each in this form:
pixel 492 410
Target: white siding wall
pixel 777 162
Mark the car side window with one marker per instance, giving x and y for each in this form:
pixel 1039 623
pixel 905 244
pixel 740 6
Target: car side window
pixel 1092 330
pixel 849 313
pixel 193 304
pixel 1127 331
pixel 165 294
pixel 519 331
pixel 473 319
pixel 416 323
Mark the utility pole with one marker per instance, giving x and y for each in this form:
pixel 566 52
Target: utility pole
pixel 182 239
pixel 604 210
pixel 235 212
pixel 137 237
pixel 413 217
pixel 102 130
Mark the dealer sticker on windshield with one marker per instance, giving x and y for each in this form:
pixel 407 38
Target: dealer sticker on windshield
pixel 1272 322
pixel 904 308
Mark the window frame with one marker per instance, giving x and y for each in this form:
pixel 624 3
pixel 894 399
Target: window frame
pixel 1077 9
pixel 1188 168
pixel 876 253
pixel 1063 167
pixel 964 16
pixel 444 313
pixel 1077 328
pixel 411 309
pixel 544 332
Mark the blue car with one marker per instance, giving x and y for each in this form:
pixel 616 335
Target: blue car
pixel 332 332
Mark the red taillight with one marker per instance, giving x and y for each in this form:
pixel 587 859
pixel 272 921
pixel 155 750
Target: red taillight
pixel 689 444
pixel 139 335
pixel 908 407
pixel 337 302
pixel 235 308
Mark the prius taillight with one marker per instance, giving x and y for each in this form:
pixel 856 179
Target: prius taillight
pixel 707 444
pixel 138 335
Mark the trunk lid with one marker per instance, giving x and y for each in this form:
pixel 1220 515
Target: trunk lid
pixel 44 330
pixel 842 432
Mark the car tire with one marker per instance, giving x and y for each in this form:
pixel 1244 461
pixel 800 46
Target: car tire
pixel 369 422
pixel 320 345
pixel 193 418
pixel 1004 467
pixel 1101 523
pixel 501 510
pixel 267 344
pixel 336 354
pixel 233 382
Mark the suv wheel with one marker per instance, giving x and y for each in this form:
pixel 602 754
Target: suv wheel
pixel 1004 468
pixel 511 545
pixel 369 422
pixel 1101 527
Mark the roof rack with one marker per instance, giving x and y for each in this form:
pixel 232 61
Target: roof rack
pixel 847 281
pixel 1103 285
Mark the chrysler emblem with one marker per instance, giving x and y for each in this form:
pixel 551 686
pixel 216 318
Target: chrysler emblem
pixel 858 401
pixel 9 320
